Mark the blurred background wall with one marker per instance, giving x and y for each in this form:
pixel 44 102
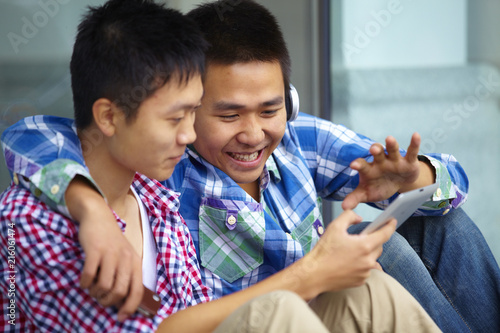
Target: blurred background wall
pixel 402 66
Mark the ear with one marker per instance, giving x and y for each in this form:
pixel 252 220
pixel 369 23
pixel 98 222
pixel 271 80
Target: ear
pixel 106 115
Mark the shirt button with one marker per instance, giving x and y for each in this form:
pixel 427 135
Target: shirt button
pixel 288 235
pixel 54 189
pixel 231 220
pixel 16 179
pixel 446 211
pixel 442 204
pixel 321 230
pixel 439 192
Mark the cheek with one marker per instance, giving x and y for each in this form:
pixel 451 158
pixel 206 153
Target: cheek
pixel 208 145
pixel 209 135
pixel 163 141
pixel 153 146
pixel 277 130
pixel 202 126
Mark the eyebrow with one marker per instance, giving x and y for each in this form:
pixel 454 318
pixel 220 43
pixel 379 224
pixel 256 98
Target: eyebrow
pixel 183 106
pixel 224 106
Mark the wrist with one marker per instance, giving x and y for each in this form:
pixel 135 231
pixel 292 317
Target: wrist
pixel 426 176
pixel 303 277
pixel 82 198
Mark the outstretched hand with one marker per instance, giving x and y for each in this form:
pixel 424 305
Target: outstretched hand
pixel 387 174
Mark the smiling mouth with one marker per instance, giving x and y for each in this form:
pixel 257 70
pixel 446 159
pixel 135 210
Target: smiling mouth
pixel 245 157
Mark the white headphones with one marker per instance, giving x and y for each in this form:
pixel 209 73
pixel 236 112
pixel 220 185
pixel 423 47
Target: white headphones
pixel 292 103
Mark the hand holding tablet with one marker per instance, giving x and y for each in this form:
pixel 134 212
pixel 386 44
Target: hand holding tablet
pixel 402 207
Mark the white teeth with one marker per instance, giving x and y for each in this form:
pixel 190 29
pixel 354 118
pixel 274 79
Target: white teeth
pixel 245 157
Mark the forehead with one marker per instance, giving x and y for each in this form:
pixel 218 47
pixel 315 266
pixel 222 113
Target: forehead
pixel 250 78
pixel 176 94
pixel 244 69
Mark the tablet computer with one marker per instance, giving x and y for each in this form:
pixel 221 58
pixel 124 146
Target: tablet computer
pixel 402 207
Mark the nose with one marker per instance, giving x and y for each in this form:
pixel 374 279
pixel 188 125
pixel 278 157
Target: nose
pixel 186 134
pixel 252 132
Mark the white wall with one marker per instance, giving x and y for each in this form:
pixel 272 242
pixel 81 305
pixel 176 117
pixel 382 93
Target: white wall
pixel 483 31
pixel 418 66
pixel 403 33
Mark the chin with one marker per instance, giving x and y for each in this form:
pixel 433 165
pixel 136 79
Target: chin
pixel 159 176
pixel 246 179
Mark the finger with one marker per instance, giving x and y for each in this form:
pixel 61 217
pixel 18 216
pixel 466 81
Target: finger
pixel 378 266
pixel 383 234
pixel 105 279
pixel 359 164
pixel 392 147
pixel 413 148
pixel 346 219
pixel 134 296
pixel 90 270
pixel 93 290
pixel 353 199
pixel 378 252
pixel 120 287
pixel 378 153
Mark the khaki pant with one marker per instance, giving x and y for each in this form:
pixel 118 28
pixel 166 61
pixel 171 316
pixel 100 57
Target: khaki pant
pixel 380 305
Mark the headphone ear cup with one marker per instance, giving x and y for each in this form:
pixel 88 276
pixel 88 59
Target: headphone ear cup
pixel 292 103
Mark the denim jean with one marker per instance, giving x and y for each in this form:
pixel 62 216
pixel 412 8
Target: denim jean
pixel 446 264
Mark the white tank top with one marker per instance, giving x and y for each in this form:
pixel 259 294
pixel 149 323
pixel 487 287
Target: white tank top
pixel 149 251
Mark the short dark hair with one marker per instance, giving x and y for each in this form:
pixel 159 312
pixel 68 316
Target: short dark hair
pixel 127 49
pixel 241 31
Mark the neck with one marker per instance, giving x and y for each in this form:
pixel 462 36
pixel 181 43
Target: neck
pixel 112 178
pixel 252 189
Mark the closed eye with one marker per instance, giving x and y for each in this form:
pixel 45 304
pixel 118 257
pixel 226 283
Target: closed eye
pixel 177 118
pixel 270 112
pixel 229 117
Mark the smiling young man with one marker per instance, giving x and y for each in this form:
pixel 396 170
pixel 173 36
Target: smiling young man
pixel 245 139
pixel 271 175
pixel 251 184
pixel 246 153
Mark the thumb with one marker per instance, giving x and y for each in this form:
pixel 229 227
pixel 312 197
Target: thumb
pixel 346 219
pixel 385 232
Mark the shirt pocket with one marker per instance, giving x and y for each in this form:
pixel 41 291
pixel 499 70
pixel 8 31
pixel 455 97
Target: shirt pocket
pixel 231 237
pixel 309 230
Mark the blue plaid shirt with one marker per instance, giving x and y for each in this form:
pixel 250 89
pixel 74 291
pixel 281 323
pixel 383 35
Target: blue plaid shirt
pixel 240 241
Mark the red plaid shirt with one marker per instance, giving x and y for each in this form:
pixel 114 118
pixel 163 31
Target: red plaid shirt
pixel 42 260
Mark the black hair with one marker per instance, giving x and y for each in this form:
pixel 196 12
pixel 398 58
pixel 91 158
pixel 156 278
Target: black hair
pixel 241 31
pixel 127 49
